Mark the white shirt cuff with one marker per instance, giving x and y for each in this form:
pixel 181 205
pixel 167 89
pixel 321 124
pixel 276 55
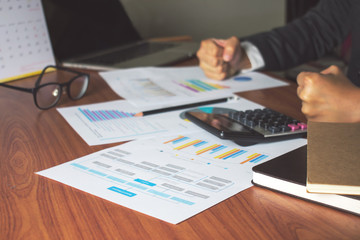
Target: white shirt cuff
pixel 254 55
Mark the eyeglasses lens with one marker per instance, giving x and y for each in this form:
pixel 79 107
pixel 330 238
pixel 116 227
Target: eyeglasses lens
pixel 78 87
pixel 48 95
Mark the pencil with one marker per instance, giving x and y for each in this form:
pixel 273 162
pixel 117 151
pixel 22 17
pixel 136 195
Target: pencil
pixel 168 109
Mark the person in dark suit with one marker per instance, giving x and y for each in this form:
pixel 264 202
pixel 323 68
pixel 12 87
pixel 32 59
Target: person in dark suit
pixel 329 95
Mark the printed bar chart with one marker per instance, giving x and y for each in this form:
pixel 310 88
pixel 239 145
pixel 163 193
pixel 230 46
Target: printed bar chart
pixel 258 159
pixel 176 140
pixel 103 115
pixel 222 152
pixel 200 86
pixel 152 177
pixel 235 154
pixel 187 144
pixel 221 147
pixel 228 154
pixel 254 158
pixel 212 147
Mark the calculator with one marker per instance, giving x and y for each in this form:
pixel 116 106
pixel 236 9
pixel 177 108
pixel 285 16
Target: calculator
pixel 247 127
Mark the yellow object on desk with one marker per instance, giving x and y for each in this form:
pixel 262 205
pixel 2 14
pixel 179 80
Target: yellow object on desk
pixel 21 76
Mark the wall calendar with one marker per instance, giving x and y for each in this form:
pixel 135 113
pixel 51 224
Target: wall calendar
pixel 25 47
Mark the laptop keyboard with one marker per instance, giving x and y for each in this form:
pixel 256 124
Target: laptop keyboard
pixel 129 53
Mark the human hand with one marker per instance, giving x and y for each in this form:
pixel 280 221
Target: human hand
pixel 328 96
pixel 220 58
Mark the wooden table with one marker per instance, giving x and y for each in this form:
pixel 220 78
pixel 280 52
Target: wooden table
pixel 33 207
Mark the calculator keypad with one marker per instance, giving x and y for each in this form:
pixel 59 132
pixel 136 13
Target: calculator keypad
pixel 268 122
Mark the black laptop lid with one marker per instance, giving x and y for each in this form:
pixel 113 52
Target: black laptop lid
pixel 78 27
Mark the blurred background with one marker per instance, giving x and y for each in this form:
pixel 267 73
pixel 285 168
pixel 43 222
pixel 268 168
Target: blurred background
pixel 202 19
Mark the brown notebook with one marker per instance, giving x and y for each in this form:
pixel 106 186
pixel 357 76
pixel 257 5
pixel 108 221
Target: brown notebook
pixel 333 158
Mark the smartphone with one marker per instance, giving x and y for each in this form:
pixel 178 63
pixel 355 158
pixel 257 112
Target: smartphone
pixel 247 127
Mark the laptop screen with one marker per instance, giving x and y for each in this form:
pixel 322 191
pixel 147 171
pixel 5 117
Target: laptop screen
pixel 78 27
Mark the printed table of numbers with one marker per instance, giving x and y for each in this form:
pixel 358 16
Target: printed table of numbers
pixel 25 46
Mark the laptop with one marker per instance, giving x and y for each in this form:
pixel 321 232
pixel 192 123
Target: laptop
pixel 98 34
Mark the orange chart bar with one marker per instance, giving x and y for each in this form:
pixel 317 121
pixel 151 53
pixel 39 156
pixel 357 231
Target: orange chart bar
pixel 187 144
pixel 228 153
pixel 173 139
pixel 251 157
pixel 207 149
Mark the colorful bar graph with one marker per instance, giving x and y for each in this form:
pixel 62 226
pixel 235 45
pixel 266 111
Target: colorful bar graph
pixel 104 115
pixel 258 159
pixel 228 153
pixel 251 157
pixel 187 144
pixel 221 147
pixel 207 149
pixel 254 158
pixel 176 140
pixel 200 86
pixel 200 144
pixel 222 153
pixel 235 154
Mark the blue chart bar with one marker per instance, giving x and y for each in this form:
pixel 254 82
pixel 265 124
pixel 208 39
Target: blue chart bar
pixel 238 153
pixel 103 115
pixel 258 159
pixel 180 140
pixel 218 149
pixel 200 144
pixel 235 154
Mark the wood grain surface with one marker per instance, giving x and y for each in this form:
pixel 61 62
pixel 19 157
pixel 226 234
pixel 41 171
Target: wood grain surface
pixel 34 207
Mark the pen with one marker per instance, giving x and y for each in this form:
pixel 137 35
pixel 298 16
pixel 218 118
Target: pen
pixel 161 110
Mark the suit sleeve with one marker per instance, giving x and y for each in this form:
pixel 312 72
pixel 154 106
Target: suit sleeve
pixel 308 38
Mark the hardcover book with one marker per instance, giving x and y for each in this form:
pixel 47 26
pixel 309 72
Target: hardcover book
pixel 287 174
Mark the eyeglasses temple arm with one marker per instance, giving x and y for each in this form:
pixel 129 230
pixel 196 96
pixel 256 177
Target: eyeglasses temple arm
pixel 29 90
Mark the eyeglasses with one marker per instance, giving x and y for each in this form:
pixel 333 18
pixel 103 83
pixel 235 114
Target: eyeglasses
pixel 50 86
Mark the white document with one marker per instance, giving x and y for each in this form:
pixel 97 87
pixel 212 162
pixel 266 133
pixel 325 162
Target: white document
pixel 169 178
pixel 114 121
pixel 157 87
